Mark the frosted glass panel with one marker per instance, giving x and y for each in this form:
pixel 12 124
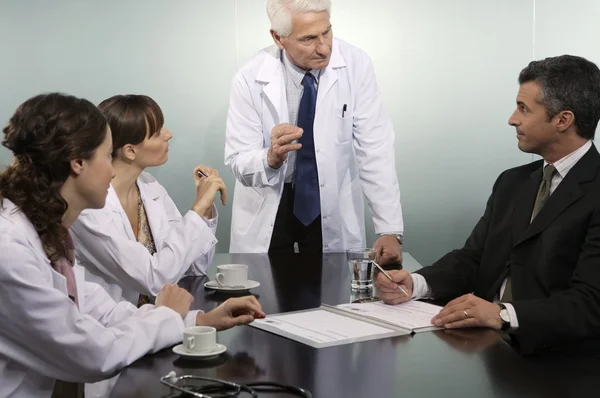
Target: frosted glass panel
pixel 447 71
pixel 180 53
pixel 567 30
pixel 252 28
pixel 448 74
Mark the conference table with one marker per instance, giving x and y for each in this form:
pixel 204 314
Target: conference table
pixel 463 363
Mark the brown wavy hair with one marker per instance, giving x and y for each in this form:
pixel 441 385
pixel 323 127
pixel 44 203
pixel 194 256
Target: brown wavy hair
pixel 131 118
pixel 45 134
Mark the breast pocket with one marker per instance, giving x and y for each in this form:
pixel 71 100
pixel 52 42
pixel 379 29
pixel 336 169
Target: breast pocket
pixel 344 121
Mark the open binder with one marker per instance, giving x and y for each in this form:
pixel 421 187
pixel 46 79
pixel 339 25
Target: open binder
pixel 328 326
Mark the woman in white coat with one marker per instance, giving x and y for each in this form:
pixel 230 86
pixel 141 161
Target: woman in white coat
pixel 55 325
pixel 139 241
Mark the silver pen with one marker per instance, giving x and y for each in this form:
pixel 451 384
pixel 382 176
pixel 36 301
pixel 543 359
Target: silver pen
pixel 390 278
pixel 200 173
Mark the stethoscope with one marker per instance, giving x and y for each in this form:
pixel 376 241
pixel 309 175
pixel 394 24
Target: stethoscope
pixel 224 388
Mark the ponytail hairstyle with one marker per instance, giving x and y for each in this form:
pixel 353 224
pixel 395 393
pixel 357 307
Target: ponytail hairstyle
pixel 45 134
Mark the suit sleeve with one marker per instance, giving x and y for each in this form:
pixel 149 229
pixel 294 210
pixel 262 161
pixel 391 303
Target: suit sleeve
pixel 374 146
pixel 245 152
pixel 568 315
pixel 455 273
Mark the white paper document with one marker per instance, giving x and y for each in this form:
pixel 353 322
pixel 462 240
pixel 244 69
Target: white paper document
pixel 413 315
pixel 323 328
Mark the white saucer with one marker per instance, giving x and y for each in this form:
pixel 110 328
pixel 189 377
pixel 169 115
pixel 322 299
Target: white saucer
pixel 215 286
pixel 217 350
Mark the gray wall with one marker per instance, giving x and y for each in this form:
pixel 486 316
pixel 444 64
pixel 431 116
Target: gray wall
pixel 447 70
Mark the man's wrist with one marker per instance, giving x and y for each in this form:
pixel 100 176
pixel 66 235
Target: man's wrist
pixel 272 163
pixel 504 317
pixel 399 237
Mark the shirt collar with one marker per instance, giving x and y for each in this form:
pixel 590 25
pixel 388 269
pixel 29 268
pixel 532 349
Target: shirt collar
pixel 295 72
pixel 565 164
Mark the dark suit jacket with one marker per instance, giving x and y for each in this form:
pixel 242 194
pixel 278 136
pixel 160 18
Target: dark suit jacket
pixel 554 262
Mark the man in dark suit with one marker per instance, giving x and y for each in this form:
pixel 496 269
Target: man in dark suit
pixel 531 266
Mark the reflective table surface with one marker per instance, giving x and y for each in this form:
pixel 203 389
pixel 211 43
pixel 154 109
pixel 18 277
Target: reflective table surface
pixel 465 363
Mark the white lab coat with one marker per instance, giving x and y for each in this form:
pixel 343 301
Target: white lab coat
pixel 112 257
pixel 45 336
pixel 354 151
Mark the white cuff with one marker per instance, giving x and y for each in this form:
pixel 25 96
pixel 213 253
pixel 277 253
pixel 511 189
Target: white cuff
pixel 512 315
pixel 206 234
pixel 392 233
pixel 212 222
pixel 270 172
pixel 421 290
pixel 190 318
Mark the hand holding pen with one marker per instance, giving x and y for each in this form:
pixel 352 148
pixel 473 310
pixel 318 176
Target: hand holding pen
pixel 389 277
pixel 208 184
pixel 392 285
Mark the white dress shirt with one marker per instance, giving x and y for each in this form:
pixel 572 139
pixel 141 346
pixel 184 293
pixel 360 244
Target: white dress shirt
pixel 422 290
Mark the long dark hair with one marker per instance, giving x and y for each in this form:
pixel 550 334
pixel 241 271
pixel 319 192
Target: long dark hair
pixel 45 134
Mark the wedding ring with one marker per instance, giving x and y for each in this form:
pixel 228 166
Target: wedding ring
pixel 466 315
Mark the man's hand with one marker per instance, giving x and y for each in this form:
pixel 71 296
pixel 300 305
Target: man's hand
pixel 389 250
pixel 389 292
pixel 469 311
pixel 233 312
pixel 282 136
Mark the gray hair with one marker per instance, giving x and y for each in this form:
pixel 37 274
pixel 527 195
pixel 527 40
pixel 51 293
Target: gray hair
pixel 569 83
pixel 280 12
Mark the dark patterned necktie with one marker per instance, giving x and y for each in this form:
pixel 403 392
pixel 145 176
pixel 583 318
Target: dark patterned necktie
pixel 307 199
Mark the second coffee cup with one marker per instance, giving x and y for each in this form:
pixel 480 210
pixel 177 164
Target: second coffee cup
pixel 232 275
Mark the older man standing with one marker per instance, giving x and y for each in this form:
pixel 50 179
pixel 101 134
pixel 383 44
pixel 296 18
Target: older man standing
pixel 307 139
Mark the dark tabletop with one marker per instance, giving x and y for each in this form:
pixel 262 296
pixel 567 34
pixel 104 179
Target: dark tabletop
pixel 468 363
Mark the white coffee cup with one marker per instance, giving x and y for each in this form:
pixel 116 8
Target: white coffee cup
pixel 199 339
pixel 232 275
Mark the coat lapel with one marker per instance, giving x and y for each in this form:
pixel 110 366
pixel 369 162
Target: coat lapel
pixel 524 202
pixel 114 204
pixel 330 74
pixel 271 76
pixel 568 192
